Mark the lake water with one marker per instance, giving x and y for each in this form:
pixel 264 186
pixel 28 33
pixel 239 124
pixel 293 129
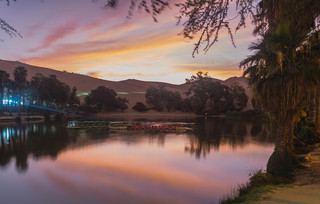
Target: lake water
pixel 46 163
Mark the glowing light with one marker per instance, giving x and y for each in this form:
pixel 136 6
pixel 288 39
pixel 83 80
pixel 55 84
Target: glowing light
pixel 83 94
pixel 8 134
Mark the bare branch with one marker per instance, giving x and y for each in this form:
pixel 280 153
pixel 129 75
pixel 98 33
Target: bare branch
pixel 6 27
pixel 152 7
pixel 209 17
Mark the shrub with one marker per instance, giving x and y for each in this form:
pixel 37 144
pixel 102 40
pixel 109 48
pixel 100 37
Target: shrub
pixel 305 130
pixel 140 107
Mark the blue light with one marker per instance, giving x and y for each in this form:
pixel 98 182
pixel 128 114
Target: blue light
pixel 4 134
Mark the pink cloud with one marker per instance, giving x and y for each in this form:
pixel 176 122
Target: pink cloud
pixel 33 30
pixel 57 34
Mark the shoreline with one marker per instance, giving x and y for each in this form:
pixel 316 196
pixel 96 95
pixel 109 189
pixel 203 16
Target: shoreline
pixel 151 114
pixel 125 115
pixel 263 189
pixel 305 188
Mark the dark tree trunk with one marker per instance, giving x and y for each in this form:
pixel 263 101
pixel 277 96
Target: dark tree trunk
pixel 317 109
pixel 313 106
pixel 284 140
pixel 282 161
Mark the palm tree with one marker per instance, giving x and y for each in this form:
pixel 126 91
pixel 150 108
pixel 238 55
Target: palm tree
pixel 283 73
pixel 36 89
pixel 4 78
pixel 20 82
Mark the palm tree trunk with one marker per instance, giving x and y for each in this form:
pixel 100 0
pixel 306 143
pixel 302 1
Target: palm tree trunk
pixel 284 141
pixel 317 109
pixel 313 106
pixel 282 161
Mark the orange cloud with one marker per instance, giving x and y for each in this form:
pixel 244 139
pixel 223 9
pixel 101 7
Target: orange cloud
pixel 95 74
pixel 78 53
pixel 99 74
pixel 116 30
pixel 110 74
pixel 222 72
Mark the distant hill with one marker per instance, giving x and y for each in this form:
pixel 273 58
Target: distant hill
pixel 131 89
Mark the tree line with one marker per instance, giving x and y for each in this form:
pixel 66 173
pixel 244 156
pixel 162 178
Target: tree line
pixel 205 96
pixel 45 94
pixel 39 94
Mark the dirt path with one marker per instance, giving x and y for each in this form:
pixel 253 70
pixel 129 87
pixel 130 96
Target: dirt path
pixel 305 190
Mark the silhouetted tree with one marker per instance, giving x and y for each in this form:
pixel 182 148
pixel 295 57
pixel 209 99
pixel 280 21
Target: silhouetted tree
pixel 186 105
pixel 49 91
pixel 122 103
pixel 37 89
pixel 240 99
pixel 209 95
pixel 140 107
pixel 173 101
pixel 73 100
pixel 103 98
pixel 152 96
pixel 56 92
pixel 161 98
pixel 20 84
pixel 4 81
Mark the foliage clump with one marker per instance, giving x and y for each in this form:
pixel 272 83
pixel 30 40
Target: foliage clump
pixel 140 107
pixel 259 183
pixel 305 130
pixel 160 98
pixel 210 96
pixel 103 98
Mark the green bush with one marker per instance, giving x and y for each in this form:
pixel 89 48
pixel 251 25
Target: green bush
pixel 305 131
pixel 260 178
pixel 308 135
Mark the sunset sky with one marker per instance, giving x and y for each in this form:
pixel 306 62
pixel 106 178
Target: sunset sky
pixel 79 36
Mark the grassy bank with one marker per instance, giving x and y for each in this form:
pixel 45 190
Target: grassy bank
pixel 259 184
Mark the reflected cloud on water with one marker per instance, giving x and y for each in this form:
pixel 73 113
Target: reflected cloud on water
pixel 97 165
pixel 49 139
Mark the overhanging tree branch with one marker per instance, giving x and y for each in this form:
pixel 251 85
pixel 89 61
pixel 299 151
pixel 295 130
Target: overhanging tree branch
pixel 6 27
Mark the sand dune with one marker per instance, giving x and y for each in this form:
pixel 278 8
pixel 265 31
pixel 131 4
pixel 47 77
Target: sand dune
pixel 124 88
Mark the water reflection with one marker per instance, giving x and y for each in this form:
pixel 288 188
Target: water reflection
pixel 212 132
pixel 41 140
pixel 101 166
